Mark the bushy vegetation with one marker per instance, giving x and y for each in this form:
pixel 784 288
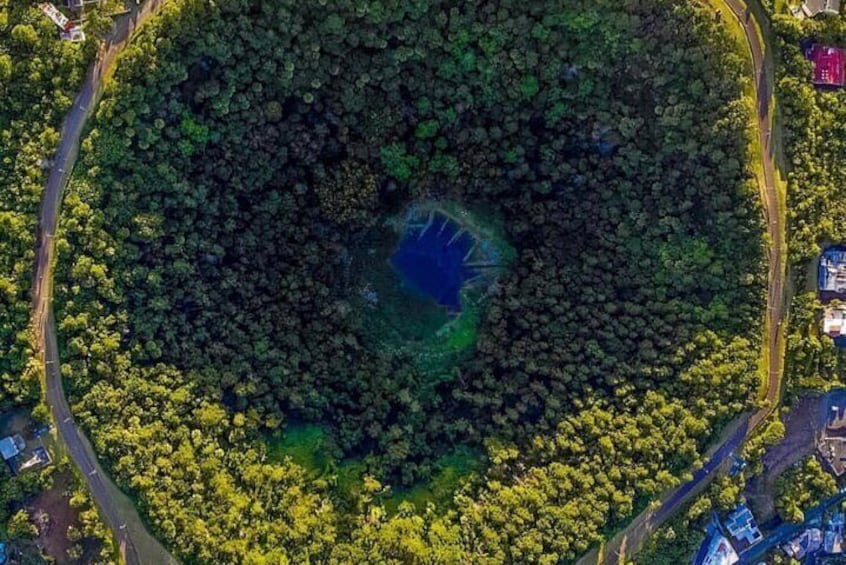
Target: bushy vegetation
pixel 812 120
pixel 39 76
pixel 803 486
pixel 245 152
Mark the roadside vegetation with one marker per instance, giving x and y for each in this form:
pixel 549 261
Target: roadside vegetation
pixel 39 77
pixel 246 150
pixel 812 121
pixel 803 486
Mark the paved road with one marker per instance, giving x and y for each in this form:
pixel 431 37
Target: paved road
pixel 137 547
pixel 629 540
pixel 787 531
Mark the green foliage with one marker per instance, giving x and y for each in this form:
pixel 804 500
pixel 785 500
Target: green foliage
pixel 305 445
pixel 448 473
pixel 38 77
pixel 20 526
pixel 529 86
pixel 427 129
pixel 816 204
pixel 673 544
pixel 236 177
pixel 397 162
pixel 801 487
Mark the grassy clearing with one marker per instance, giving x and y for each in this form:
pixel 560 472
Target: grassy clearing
pixel 309 447
pixel 306 445
pixel 450 471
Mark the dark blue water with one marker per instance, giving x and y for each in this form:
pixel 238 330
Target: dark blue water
pixel 432 264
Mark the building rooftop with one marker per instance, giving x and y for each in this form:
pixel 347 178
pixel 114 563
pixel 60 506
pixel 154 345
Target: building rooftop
pixel 833 542
pixel 834 325
pixel 807 542
pixel 716 550
pixel 742 527
pixel 831 443
pixel 11 446
pixel 811 8
pixel 832 272
pixel 829 65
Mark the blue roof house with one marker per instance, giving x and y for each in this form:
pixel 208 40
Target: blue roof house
pixel 743 528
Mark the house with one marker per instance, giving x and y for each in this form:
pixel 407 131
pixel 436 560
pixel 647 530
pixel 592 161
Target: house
pixel 831 441
pixel 808 542
pixel 39 458
pixel 834 325
pixel 833 542
pixel 80 4
pixel 828 65
pixel 11 447
pixel 833 539
pixel 743 528
pixel 831 273
pixel 716 550
pixel 737 465
pixel 812 8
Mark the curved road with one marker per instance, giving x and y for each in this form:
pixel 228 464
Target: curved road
pixel 629 540
pixel 137 546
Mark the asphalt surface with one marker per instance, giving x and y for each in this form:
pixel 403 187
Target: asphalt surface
pixel 124 523
pixel 787 531
pixel 629 540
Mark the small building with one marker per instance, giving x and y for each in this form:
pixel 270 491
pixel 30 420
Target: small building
pixel 829 63
pixel 833 537
pixel 737 465
pixel 808 542
pixel 813 8
pixel 743 528
pixel 716 550
pixel 834 325
pixel 831 273
pixel 831 440
pixel 3 556
pixel 80 4
pixel 39 458
pixel 11 447
pixel 833 542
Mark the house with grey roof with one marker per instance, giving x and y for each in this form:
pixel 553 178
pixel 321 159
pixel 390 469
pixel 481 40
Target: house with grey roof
pixel 813 8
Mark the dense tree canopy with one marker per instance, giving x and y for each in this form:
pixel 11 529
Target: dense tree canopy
pixel 247 152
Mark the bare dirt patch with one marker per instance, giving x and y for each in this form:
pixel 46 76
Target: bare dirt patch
pixel 51 512
pixel 800 424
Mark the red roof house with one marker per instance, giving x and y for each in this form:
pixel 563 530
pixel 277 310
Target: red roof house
pixel 829 63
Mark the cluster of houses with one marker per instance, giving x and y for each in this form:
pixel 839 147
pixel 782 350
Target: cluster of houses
pixel 729 539
pixel 814 541
pixel 831 277
pixel 19 457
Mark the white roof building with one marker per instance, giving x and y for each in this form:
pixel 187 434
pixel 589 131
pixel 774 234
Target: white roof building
pixel 834 322
pixel 811 8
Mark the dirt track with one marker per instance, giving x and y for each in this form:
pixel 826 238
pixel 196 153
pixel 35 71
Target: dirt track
pixel 137 546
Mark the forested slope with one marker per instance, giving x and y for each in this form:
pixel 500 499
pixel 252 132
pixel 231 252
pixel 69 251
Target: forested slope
pixel 242 156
